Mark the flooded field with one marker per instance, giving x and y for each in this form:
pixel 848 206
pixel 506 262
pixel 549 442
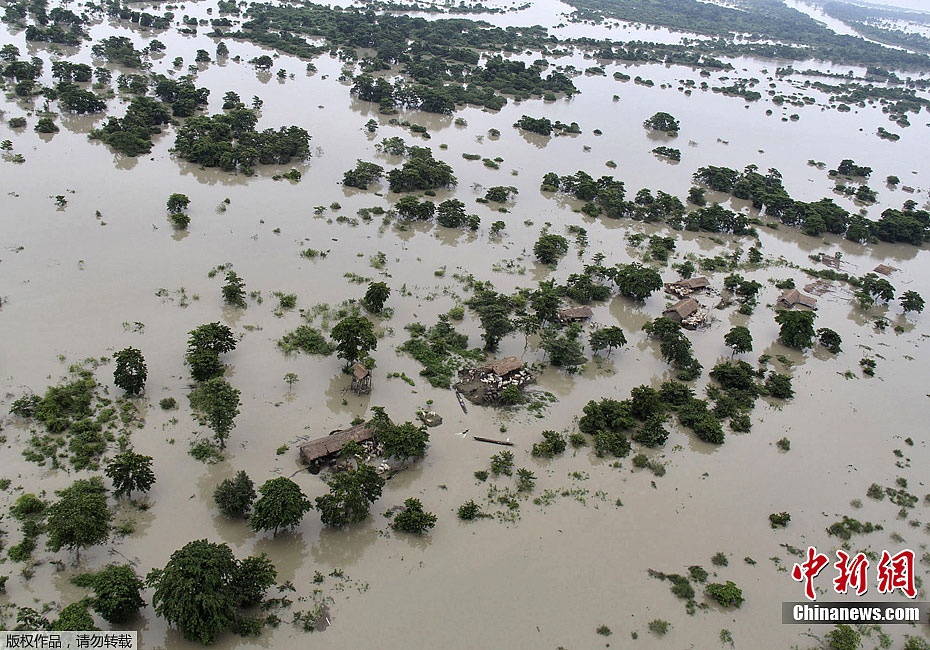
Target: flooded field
pixel 106 270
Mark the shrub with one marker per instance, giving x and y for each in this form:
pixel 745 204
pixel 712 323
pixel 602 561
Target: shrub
pixel 553 443
pixel 728 595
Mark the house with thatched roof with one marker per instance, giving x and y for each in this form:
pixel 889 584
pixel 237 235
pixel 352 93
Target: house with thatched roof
pixel 483 384
pixel 792 298
pixel 575 314
pixel 317 452
pixel 884 269
pixel 684 288
pixel 682 309
pixel 361 378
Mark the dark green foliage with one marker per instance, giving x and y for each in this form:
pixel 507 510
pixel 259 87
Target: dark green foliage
pixel 25 406
pixel 553 444
pixel 706 426
pixel 652 433
pixel 549 248
pixel 364 174
pixel 526 480
pixel 116 592
pixel 130 372
pixel 229 141
pixel 636 281
pixel 408 207
pixel 118 49
pixel 420 172
pixel 354 337
pixel 912 301
pixel 662 121
pixel 779 519
pixel 608 414
pixel 80 518
pixel 234 496
pixel 46 125
pixel 500 193
pixel 779 385
pixel 130 471
pixel 181 94
pixel 843 637
pixel 202 586
pixel 675 347
pixel 469 511
pixel 797 327
pixel 440 350
pixel 674 393
pixel 305 339
pixel 829 339
pixel 611 442
pixel 502 463
pixel 451 214
pixel 204 346
pixel 252 578
pixel 564 350
pixel 217 404
pixel 541 125
pixel 28 507
pixel 402 441
pixel 281 504
pixel 670 153
pixel 234 290
pixel 74 617
pixel 739 339
pixel 607 337
pixel 728 595
pixel 178 202
pixel 375 297
pixel 132 134
pixel 350 496
pixel 413 519
pixel 848 526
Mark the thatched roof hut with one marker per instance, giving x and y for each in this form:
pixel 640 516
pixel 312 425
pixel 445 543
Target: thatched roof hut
pixel 575 314
pixel 793 297
pixel 681 309
pixel 502 367
pixel 317 451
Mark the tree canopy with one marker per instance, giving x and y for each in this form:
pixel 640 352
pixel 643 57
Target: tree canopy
pixel 281 505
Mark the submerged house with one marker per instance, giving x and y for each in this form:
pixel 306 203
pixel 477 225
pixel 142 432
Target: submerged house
pixel 793 297
pixel 483 384
pixel 361 379
pixel 687 312
pixel 574 315
pixel 684 288
pixel 317 453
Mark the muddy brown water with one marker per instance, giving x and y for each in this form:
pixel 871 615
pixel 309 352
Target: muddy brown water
pixel 70 280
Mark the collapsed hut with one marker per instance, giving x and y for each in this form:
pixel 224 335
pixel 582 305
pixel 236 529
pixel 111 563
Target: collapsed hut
pixel 684 288
pixel 361 379
pixel 793 298
pixel 687 312
pixel 317 453
pixel 573 315
pixel 483 384
pixel 884 269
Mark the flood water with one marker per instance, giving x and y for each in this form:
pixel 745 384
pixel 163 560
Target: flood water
pixel 73 282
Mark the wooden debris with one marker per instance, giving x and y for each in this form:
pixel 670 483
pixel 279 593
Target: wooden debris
pixel 506 443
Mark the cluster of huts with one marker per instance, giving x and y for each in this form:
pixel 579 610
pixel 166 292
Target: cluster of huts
pixel 687 312
pixel 483 384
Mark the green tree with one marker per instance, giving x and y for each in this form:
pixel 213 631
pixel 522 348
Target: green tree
pixel 797 328
pixel 496 323
pixel 234 496
pixel 192 592
pixel 564 350
pixel 549 248
pixel 281 504
pixel 364 174
pixel 130 471
pixel 830 339
pixel 350 496
pixel 663 121
pixel 403 441
pixel 375 297
pixel 843 637
pixel 413 519
pixel 178 202
pixel 355 338
pixel 912 301
pixel 130 372
pixel 545 301
pixel 252 578
pixel 116 592
pixel 80 518
pixel 607 337
pixel 74 617
pixel 728 595
pixel 204 346
pixel 217 403
pixel 873 287
pixel 738 339
pixel 234 290
pixel 636 281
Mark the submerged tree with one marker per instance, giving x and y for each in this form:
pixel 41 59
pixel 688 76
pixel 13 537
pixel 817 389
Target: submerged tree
pixel 217 402
pixel 797 328
pixel 281 504
pixel 375 297
pixel 116 592
pixel 413 519
pixel 130 471
pixel 355 338
pixel 350 496
pixel 738 339
pixel 80 518
pixel 234 290
pixel 130 372
pixel 234 496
